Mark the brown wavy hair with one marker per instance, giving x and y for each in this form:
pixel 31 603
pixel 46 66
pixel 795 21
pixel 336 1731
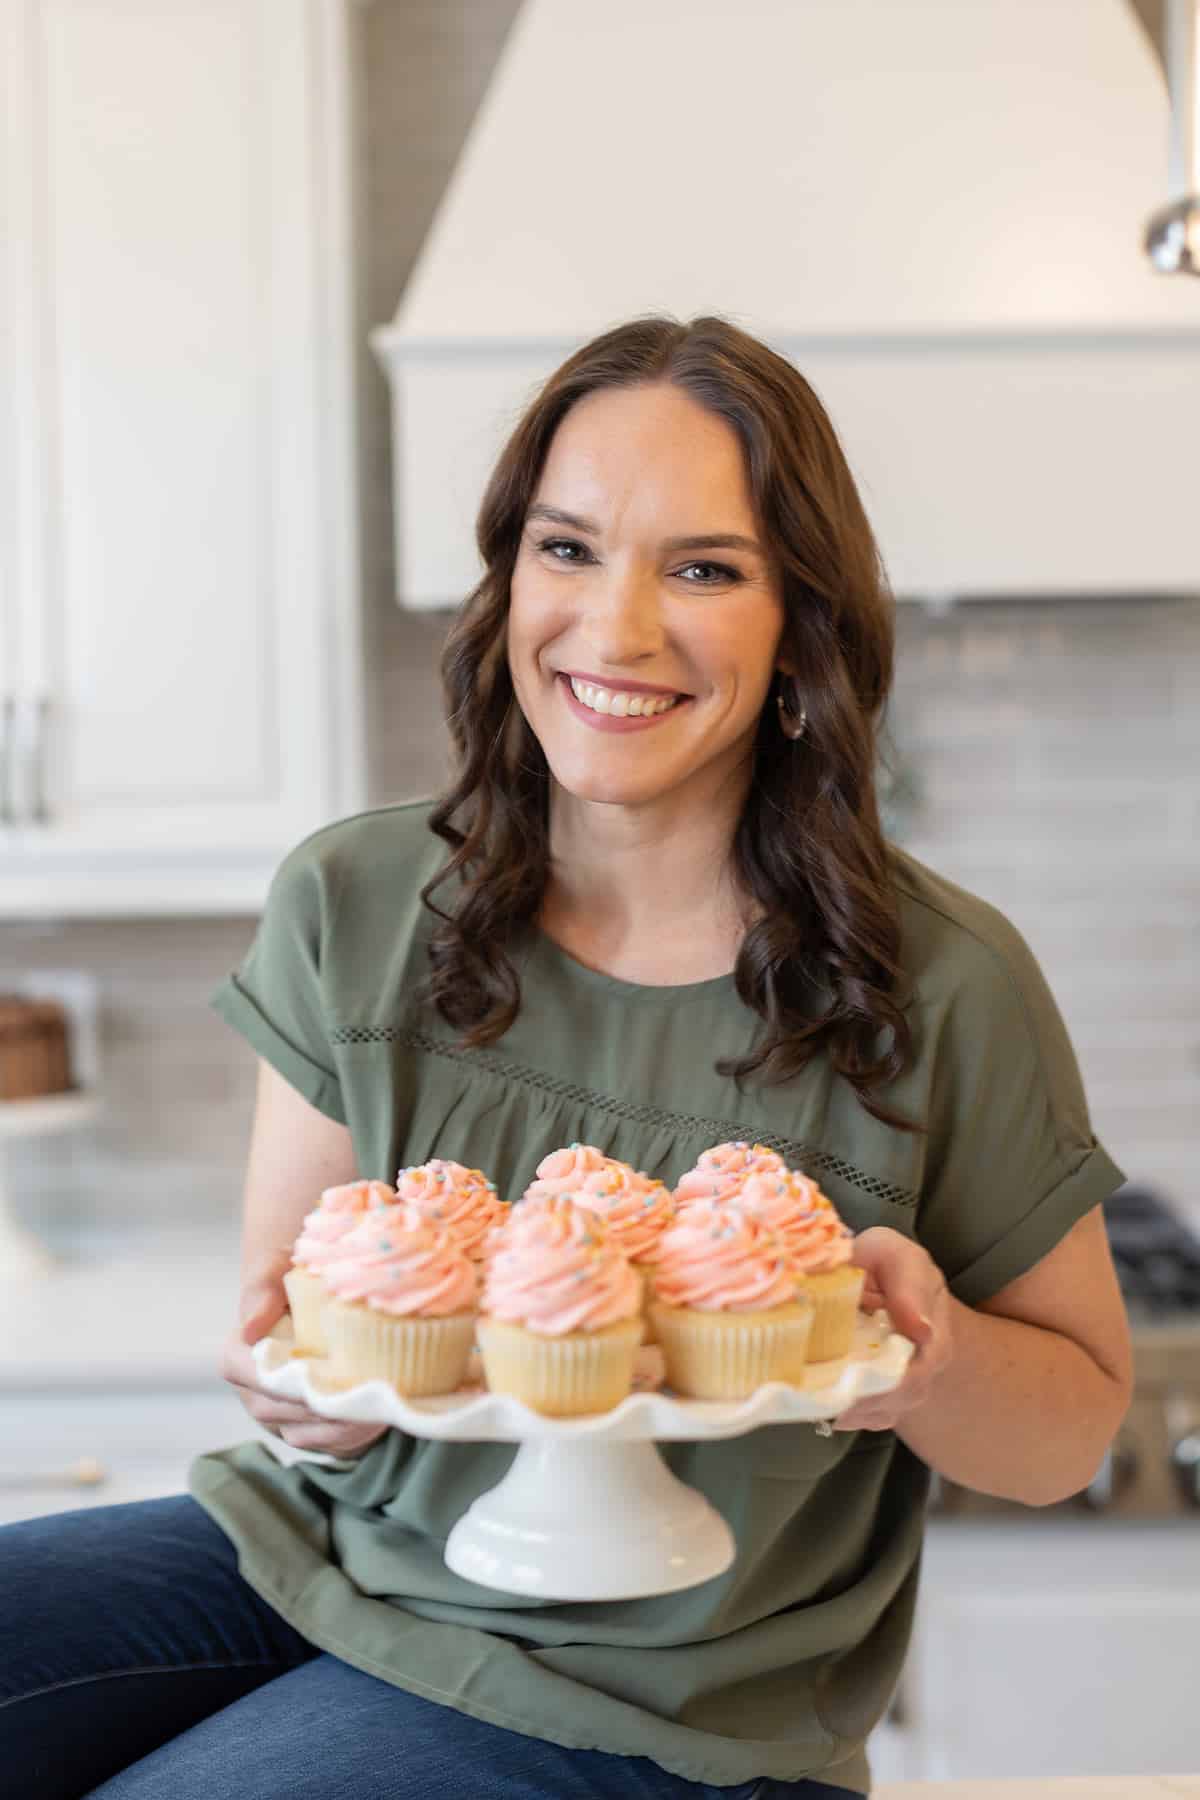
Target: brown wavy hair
pixel 820 966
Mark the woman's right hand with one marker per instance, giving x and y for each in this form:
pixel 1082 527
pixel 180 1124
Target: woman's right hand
pixel 261 1305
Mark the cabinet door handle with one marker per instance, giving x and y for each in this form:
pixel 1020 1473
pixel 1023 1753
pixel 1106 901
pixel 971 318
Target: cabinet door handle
pixel 41 757
pixel 8 756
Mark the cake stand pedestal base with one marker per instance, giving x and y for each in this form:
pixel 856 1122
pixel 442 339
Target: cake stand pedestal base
pixel 22 1256
pixel 590 1520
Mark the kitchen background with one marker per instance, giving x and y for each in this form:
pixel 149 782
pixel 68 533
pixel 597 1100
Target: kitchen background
pixel 1046 755
pixel 1049 755
pixel 1044 752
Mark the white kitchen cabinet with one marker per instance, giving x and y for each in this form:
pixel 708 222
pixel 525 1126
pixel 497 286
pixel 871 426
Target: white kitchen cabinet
pixel 1049 1647
pixel 180 665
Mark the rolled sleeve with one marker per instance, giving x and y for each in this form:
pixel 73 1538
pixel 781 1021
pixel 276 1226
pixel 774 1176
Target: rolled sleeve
pixel 1016 1163
pixel 278 999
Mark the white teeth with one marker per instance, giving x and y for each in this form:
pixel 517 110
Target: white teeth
pixel 619 703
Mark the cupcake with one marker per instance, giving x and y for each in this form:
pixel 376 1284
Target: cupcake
pixel 819 1247
pixel 635 1208
pixel 559 1324
pixel 562 1171
pixel 726 1310
pixel 720 1171
pixel 461 1199
pixel 319 1243
pixel 400 1304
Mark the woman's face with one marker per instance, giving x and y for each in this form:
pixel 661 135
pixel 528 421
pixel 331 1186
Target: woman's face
pixel 642 661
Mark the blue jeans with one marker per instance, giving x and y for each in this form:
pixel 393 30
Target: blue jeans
pixel 136 1664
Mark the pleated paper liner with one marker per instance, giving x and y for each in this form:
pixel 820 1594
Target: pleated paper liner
pixel 306 1296
pixel 835 1298
pixel 726 1356
pixel 582 1372
pixel 417 1355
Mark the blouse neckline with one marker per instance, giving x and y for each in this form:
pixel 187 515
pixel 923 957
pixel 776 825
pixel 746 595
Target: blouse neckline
pixel 676 993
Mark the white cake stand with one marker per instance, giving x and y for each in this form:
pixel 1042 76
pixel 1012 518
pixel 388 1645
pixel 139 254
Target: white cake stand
pixel 589 1510
pixel 22 1256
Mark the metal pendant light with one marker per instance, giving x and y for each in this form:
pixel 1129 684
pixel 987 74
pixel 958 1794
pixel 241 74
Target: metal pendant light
pixel 1172 239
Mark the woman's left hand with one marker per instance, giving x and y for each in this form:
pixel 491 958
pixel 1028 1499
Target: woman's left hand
pixel 904 1279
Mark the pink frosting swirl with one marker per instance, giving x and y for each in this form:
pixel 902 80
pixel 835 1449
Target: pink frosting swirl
pixel 563 1170
pixel 802 1217
pixel 717 1259
pixel 553 1269
pixel 398 1262
pixel 461 1199
pixel 635 1208
pixel 338 1212
pixel 824 1244
pixel 719 1171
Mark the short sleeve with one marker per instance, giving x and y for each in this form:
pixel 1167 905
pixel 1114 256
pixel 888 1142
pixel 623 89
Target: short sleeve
pixel 277 998
pixel 1012 1162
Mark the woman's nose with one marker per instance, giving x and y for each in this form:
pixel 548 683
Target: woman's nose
pixel 623 620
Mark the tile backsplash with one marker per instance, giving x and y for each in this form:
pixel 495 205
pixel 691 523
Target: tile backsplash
pixel 1055 748
pixel 1047 756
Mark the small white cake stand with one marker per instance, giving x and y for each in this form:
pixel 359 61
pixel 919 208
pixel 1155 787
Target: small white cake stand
pixel 589 1510
pixel 22 1256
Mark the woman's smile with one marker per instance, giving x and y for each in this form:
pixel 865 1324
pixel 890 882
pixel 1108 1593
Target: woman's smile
pixel 618 707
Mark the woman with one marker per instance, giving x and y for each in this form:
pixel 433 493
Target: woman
pixel 655 910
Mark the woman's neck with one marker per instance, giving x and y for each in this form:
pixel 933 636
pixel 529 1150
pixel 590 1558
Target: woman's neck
pixel 645 893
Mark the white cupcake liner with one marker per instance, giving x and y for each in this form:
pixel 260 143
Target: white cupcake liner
pixel 582 1372
pixel 306 1296
pixel 726 1356
pixel 417 1355
pixel 835 1297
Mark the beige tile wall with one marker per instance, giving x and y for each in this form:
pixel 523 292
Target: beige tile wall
pixel 1054 748
pixel 1058 751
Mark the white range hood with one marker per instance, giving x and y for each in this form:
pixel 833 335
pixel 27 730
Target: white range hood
pixel 934 207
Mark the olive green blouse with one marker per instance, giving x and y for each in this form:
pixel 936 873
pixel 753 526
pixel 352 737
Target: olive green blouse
pixel 781 1666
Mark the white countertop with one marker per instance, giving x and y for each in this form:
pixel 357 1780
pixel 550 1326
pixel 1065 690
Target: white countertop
pixel 1088 1787
pixel 151 1313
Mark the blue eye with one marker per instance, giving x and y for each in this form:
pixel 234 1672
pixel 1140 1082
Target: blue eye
pixel 722 569
pixel 551 545
pixel 560 544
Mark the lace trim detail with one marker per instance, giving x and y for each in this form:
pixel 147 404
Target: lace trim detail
pixel 807 1156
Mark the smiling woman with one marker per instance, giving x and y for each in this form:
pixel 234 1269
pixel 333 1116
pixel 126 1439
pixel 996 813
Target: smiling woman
pixel 653 911
pixel 654 444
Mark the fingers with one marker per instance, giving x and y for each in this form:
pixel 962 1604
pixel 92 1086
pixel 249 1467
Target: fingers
pixel 271 1409
pixel 864 1418
pixel 900 1277
pixel 304 1429
pixel 915 1389
pixel 331 1438
pixel 237 1364
pixel 262 1306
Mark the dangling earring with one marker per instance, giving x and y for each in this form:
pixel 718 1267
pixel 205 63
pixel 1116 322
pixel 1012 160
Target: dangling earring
pixel 793 725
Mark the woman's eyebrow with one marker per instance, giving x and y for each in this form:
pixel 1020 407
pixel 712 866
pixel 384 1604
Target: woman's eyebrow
pixel 710 540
